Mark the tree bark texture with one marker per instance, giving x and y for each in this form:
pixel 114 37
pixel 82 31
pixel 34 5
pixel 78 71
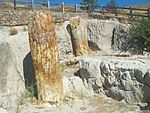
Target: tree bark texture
pixel 44 51
pixel 79 36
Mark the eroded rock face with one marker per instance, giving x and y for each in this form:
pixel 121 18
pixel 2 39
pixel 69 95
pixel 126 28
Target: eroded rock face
pixel 74 87
pixel 119 78
pixel 45 56
pixel 106 35
pixel 64 41
pixel 13 68
pixel 3 110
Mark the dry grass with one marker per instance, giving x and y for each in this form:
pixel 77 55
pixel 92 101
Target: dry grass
pixel 142 6
pixel 13 31
pixel 67 8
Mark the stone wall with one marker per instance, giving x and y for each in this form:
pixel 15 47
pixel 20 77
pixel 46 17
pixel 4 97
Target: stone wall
pixel 13 18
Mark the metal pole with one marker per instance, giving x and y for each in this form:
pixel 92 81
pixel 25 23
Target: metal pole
pixel 90 8
pixel 76 8
pixel 115 11
pixel 14 4
pixel 102 9
pixel 49 5
pixel 63 9
pixel 32 2
pixel 130 11
pixel 148 13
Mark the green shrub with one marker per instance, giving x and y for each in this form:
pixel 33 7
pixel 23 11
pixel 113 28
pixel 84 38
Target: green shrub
pixel 141 31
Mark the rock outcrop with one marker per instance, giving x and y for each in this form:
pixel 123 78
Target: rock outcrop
pixel 74 87
pixel 15 68
pixel 106 35
pixel 119 78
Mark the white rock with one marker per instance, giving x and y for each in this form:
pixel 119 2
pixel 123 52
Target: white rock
pixel 73 86
pixel 13 51
pixel 64 41
pixel 3 110
pixel 104 34
pixel 120 78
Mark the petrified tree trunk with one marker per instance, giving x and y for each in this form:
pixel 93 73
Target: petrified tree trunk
pixel 45 58
pixel 78 33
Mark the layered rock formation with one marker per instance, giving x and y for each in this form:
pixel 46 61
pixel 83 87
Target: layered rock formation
pixel 119 78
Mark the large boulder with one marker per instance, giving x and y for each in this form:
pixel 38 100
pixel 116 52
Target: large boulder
pixel 106 35
pixel 116 77
pixel 15 67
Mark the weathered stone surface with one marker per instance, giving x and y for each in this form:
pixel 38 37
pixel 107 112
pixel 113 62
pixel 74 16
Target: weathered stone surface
pixel 119 78
pixel 64 41
pixel 3 110
pixel 44 51
pixel 74 87
pixel 147 78
pixel 78 33
pixel 13 73
pixel 106 34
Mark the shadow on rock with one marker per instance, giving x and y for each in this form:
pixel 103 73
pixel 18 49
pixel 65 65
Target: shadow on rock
pixel 93 46
pixel 29 74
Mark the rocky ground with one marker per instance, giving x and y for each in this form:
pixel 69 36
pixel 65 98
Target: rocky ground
pixel 95 104
pixel 87 81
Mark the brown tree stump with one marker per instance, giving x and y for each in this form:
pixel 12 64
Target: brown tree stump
pixel 78 33
pixel 44 51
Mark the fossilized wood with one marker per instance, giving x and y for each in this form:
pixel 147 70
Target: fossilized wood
pixel 79 36
pixel 44 51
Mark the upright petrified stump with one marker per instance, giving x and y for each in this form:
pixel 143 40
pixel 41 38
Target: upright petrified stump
pixel 44 51
pixel 78 33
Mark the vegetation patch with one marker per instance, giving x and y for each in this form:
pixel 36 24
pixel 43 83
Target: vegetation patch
pixel 13 31
pixel 140 31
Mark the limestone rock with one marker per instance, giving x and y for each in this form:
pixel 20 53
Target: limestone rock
pixel 64 41
pixel 3 110
pixel 14 74
pixel 74 87
pixel 105 34
pixel 117 77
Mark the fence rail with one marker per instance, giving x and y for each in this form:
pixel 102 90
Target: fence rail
pixel 62 7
